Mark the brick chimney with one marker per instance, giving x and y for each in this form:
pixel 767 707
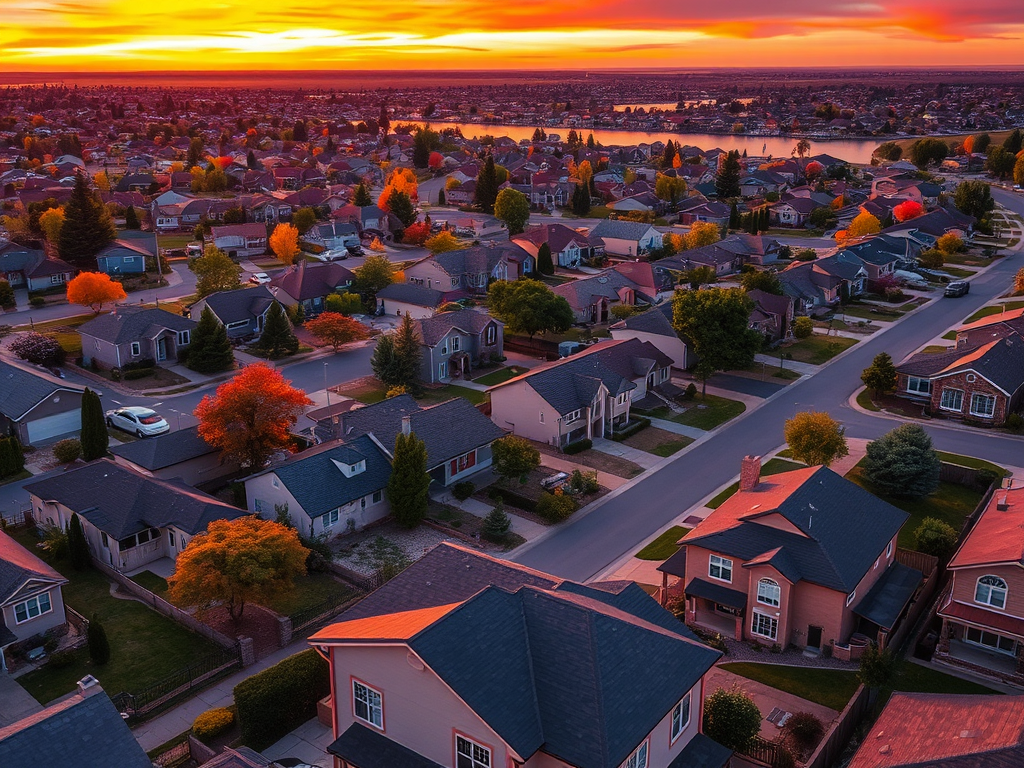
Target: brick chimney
pixel 406 425
pixel 750 473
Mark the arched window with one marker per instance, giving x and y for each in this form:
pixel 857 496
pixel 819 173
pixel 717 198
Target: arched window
pixel 991 590
pixel 768 592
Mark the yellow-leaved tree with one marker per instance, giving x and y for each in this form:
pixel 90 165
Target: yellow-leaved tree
pixel 863 224
pixel 284 242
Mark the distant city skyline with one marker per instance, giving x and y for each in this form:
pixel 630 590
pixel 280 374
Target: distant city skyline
pixel 119 35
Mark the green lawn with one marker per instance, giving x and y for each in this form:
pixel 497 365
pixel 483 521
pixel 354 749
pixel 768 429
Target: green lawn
pixel 664 546
pixel 772 467
pixel 949 335
pixel 864 401
pixel 970 461
pixel 149 580
pixel 870 312
pixel 818 349
pixel 914 678
pixel 670 447
pixel 957 272
pixel 934 349
pixel 950 503
pixel 500 376
pixel 309 592
pixel 993 309
pixel 447 392
pixel 716 411
pixel 174 241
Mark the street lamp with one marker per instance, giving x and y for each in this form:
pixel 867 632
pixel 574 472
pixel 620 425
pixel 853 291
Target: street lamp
pixel 328 391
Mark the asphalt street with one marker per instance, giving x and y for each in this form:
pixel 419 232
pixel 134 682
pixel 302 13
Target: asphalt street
pixel 586 546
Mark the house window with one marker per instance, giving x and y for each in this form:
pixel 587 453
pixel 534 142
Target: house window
pixel 765 626
pixel 920 386
pixel 621 399
pixel 456 343
pixel 991 640
pixel 492 335
pixel 542 417
pixel 991 590
pixel 275 482
pixel 377 496
pixel 57 279
pixel 442 369
pixel 129 259
pixel 983 405
pixel 638 759
pixel 184 337
pixel 469 754
pixel 105 540
pixel 720 568
pixel 952 400
pixel 455 282
pixel 851 597
pixel 182 540
pixel 362 503
pixel 680 717
pixel 368 704
pixel 330 518
pixel 237 324
pixel 170 538
pixel 136 349
pixel 32 608
pixel 768 592
pixel 572 416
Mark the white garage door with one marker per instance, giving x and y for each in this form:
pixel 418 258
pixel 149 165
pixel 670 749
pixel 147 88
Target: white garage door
pixel 52 426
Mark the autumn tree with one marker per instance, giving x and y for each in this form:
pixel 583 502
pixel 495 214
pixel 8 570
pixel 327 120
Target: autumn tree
pixel 216 271
pixel 284 242
pixel 863 224
pixel 87 227
pixel 907 210
pixel 950 243
pixel 277 339
pixel 513 458
pixel 376 274
pixel 407 489
pixel 93 290
pixel 512 207
pixel 336 329
pixel 530 307
pixel 880 376
pixel 400 180
pixel 236 562
pixel 815 438
pixel 1018 283
pixel 715 323
pixel 210 350
pixel 669 188
pixel 250 416
pixel 701 233
pixel 1018 171
pixel 51 222
pixel 442 242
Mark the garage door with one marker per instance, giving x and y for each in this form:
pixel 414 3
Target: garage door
pixel 54 426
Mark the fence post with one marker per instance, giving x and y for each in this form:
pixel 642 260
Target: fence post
pixel 284 631
pixel 246 651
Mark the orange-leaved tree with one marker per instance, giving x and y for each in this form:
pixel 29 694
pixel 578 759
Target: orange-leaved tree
pixel 400 180
pixel 284 242
pixel 235 562
pixel 94 289
pixel 907 210
pixel 335 329
pixel 250 415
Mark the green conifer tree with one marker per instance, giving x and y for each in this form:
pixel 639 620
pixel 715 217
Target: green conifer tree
pixel 407 489
pixel 210 350
pixel 95 438
pixel 277 339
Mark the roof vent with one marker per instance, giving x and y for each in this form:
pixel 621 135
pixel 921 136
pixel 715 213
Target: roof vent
pixel 973 734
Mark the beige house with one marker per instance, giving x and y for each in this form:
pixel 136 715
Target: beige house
pixel 655 327
pixel 30 596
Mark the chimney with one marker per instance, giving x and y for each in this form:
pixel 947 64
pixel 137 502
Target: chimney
pixel 750 473
pixel 406 425
pixel 88 686
pixel 1004 503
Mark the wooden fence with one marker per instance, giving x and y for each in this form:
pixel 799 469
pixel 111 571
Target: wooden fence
pixel 929 566
pixel 839 735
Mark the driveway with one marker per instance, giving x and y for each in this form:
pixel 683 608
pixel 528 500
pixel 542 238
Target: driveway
pixel 747 386
pixel 15 701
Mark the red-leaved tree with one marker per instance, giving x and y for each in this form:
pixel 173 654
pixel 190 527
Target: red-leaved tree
pixel 907 210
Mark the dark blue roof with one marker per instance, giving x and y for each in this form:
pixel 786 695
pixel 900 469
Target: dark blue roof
pixel 888 596
pixel 702 752
pixel 716 593
pixel 364 747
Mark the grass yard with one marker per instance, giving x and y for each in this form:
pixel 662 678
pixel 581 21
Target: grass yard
pixel 949 335
pixel 864 401
pixel 915 678
pixel 369 391
pixel 500 376
pixel 61 325
pixel 660 442
pixel 308 592
pixel 663 547
pixel 149 580
pixel 993 309
pixel 957 272
pixel 174 241
pixel 818 349
pixel 70 342
pixel 715 411
pixel 966 260
pixel 870 312
pixel 772 467
pixel 447 392
pixel 973 463
pixel 23 475
pixel 934 349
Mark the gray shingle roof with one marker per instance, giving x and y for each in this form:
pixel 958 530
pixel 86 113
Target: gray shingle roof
pixel 240 304
pixel 887 598
pixel 657 320
pixel 470 321
pixel 620 230
pixel 18 565
pixel 366 748
pixel 409 293
pixel 22 390
pixel 702 752
pixel 165 450
pixel 85 733
pixel 449 429
pixel 130 323
pixel 1000 361
pixel 120 501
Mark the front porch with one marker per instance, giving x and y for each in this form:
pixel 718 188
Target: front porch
pixel 981 651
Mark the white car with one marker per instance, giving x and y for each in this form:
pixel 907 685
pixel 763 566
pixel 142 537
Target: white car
pixel 143 422
pixel 260 278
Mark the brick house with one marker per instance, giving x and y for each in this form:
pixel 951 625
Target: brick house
pixel 982 608
pixel 804 558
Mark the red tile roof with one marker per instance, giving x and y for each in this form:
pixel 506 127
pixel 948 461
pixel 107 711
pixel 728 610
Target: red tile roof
pixel 998 536
pixel 981 617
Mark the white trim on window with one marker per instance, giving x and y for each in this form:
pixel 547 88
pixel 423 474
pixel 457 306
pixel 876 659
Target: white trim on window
pixel 680 718
pixel 572 416
pixel 136 349
pixel 982 405
pixel 639 757
pixel 720 568
pixel 851 597
pixel 995 642
pixel 367 704
pixel 952 400
pixel 991 590
pixel 329 519
pixel 769 592
pixel 32 608
pixel 184 337
pixel 888 549
pixel 764 625
pixel 918 385
pixel 471 754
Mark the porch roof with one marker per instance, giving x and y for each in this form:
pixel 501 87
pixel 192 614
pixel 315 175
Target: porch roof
pixel 362 747
pixel 702 752
pixel 999 622
pixel 732 598
pixel 885 600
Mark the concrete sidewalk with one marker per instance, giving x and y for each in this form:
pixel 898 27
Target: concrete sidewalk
pixel 609 481
pixel 528 529
pixel 623 451
pixel 677 429
pixel 804 369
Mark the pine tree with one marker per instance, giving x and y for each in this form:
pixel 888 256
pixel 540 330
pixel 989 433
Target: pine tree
pixel 78 549
pixel 880 376
pixel 544 263
pixel 727 182
pixel 99 646
pixel 383 363
pixel 87 227
pixel 734 216
pixel 131 218
pixel 408 354
pixel 440 197
pixel 407 489
pixel 496 524
pixel 95 438
pixel 580 200
pixel 591 144
pixel 210 350
pixel 7 462
pixel 361 196
pixel 401 205
pixel 19 456
pixel 277 339
pixel 486 186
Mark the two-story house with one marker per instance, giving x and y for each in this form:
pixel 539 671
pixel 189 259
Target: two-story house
pixel 242 311
pixel 627 238
pixel 591 298
pixel 568 247
pixel 129 519
pixel 469 270
pixel 594 676
pixel 655 326
pixel 130 334
pixel 804 558
pixel 240 241
pixel 454 343
pixel 982 608
pixel 584 396
pixel 30 596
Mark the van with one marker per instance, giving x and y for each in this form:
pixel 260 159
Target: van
pixel 957 288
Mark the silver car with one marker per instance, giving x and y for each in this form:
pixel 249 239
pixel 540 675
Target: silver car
pixel 142 422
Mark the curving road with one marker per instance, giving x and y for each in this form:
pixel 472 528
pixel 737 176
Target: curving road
pixel 585 547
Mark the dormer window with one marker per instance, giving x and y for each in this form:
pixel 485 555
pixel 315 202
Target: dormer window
pixel 350 469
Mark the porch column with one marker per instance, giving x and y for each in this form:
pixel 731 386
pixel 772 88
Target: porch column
pixel 739 628
pixel 944 633
pixel 1019 667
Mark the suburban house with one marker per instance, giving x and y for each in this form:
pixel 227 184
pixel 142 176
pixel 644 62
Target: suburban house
pixel 627 238
pixel 991 328
pixel 336 487
pixel 804 558
pixel 334 235
pixel 592 297
pixel 30 596
pixel 458 437
pixel 83 729
pixel 939 730
pixel 982 384
pixel 126 256
pixel 310 285
pixel 242 311
pixel 410 299
pixel 366 217
pixel 593 675
pixel 818 285
pixel 982 628
pixel 240 241
pixel 655 327
pixel 568 247
pixel 454 343
pixel 129 518
pixel 793 212
pixel 132 334
pixel 772 315
pixel 584 396
pixel 182 454
pixel 469 270
pixel 37 407
pixel 29 268
pixel 723 260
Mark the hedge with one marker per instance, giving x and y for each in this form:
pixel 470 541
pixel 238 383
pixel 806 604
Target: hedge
pixel 579 446
pixel 513 499
pixel 278 700
pixel 631 429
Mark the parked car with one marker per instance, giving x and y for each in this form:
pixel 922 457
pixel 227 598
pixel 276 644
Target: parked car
pixel 260 278
pixel 354 250
pixel 957 288
pixel 192 250
pixel 336 254
pixel 142 422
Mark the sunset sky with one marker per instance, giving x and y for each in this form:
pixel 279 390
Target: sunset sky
pixel 104 35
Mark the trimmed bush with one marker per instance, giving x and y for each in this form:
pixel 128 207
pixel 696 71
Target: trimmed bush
pixel 1015 422
pixel 99 646
pixel 212 722
pixel 281 698
pixel 68 450
pixel 556 506
pixel 691 391
pixel 803 327
pixel 631 429
pixel 578 447
pixel 935 537
pixel 463 490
